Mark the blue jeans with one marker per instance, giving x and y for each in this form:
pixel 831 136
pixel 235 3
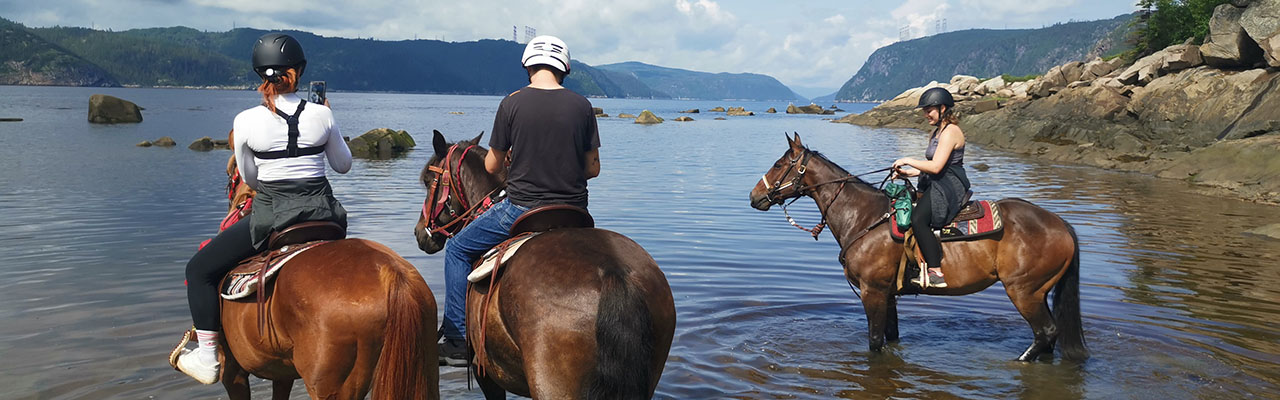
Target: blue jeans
pixel 462 250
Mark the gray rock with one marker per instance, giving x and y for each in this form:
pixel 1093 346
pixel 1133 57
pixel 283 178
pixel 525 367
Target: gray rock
pixel 683 119
pixel 771 110
pixel 145 143
pixel 105 109
pixel 165 142
pixel 1228 45
pixel 1071 71
pixel 739 112
pixel 381 143
pixel 690 111
pixel 1261 21
pixel 717 109
pixel 202 144
pixel 1180 58
pixel 985 105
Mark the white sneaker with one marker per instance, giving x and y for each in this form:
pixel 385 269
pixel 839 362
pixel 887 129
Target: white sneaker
pixel 191 364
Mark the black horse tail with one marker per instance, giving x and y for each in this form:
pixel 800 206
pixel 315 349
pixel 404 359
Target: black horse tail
pixel 1066 308
pixel 624 341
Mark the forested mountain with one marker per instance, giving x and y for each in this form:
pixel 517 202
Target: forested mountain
pixel 181 56
pixel 983 53
pixel 685 84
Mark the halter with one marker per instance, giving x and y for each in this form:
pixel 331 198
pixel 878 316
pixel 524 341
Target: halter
pixel 800 165
pixel 450 177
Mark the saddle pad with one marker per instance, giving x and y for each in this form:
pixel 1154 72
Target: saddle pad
pixel 490 259
pixel 238 285
pixel 990 223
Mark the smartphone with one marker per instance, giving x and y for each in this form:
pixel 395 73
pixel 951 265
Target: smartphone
pixel 317 91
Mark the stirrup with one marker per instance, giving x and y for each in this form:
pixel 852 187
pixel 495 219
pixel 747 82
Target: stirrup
pixel 177 351
pixel 934 279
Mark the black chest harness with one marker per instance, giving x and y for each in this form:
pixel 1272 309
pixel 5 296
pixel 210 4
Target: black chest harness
pixel 292 150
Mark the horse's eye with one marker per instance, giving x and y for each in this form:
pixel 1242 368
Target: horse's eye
pixel 777 165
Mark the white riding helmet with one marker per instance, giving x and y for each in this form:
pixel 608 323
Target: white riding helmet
pixel 547 50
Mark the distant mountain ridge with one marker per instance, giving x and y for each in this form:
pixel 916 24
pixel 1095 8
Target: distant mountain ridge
pixel 983 53
pixel 685 84
pixel 181 56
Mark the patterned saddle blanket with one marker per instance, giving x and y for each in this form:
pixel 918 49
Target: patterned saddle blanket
pixel 256 271
pixel 977 218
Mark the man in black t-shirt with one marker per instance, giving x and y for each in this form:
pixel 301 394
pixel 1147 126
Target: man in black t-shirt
pixel 551 135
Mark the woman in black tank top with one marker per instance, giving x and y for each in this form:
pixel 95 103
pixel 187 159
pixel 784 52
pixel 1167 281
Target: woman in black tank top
pixel 943 181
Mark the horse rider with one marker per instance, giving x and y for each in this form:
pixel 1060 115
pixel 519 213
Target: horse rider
pixel 550 134
pixel 280 152
pixel 942 181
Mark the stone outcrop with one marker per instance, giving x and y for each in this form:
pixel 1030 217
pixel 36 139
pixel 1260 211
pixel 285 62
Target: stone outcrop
pixel 104 109
pixel 717 109
pixel 989 86
pixel 626 116
pixel 683 119
pixel 646 117
pixel 164 142
pixel 690 111
pixel 771 110
pixel 964 83
pixel 809 109
pixel 381 143
pixel 1228 45
pixel 739 112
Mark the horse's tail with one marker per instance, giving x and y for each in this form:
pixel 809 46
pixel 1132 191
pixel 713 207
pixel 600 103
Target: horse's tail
pixel 1066 307
pixel 624 341
pixel 407 365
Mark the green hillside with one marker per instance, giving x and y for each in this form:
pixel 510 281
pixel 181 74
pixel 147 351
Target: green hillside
pixel 984 53
pixel 27 59
pixel 180 56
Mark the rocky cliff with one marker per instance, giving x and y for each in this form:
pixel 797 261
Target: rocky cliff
pixel 1168 114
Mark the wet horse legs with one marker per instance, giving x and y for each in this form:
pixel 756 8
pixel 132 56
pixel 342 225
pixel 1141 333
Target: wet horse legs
pixel 876 303
pixel 891 320
pixel 1035 309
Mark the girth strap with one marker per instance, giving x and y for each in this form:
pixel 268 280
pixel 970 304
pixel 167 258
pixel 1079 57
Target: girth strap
pixel 292 150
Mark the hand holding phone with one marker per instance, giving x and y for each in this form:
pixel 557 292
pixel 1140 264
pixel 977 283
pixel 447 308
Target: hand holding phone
pixel 317 91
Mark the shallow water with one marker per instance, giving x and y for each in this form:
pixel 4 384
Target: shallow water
pixel 95 232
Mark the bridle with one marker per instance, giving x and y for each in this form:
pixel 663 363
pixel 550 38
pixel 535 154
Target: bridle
pixel 449 180
pixel 800 164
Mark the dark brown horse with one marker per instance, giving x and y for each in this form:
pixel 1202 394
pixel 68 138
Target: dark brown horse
pixel 1036 252
pixel 577 313
pixel 346 317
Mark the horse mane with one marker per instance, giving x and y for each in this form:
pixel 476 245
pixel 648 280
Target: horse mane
pixel 864 184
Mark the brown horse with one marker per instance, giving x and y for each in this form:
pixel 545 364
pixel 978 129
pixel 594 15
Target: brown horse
pixel 578 313
pixel 346 316
pixel 1036 251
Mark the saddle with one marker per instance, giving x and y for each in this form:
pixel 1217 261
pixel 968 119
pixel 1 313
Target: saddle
pixel 528 225
pixel 976 219
pixel 254 272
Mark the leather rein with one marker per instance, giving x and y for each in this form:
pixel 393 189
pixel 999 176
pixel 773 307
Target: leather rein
pixel 800 165
pixel 450 178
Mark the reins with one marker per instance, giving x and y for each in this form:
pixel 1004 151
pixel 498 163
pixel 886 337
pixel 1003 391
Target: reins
pixel 451 179
pixel 800 165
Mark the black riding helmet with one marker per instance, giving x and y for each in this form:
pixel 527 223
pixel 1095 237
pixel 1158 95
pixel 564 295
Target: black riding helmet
pixel 937 97
pixel 276 52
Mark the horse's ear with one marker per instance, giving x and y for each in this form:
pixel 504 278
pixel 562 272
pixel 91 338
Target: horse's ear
pixel 476 140
pixel 441 146
pixel 795 143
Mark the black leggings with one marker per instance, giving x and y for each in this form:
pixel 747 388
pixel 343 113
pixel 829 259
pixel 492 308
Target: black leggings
pixel 208 266
pixel 930 247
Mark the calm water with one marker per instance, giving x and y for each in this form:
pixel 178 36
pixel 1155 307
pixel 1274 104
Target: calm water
pixel 95 232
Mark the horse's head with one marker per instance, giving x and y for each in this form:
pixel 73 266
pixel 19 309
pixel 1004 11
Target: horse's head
pixel 784 179
pixel 456 180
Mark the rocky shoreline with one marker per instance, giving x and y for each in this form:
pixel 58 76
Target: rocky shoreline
pixel 1171 115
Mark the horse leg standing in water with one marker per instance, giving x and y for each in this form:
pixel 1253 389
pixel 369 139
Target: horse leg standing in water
pixel 1037 252
pixel 577 313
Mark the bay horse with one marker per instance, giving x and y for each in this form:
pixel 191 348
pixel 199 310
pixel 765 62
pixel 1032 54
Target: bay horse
pixel 1036 251
pixel 346 317
pixel 578 313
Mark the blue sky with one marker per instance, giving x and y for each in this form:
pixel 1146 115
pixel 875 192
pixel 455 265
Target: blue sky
pixel 812 46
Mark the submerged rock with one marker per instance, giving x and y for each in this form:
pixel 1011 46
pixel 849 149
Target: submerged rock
pixel 165 142
pixel 717 109
pixel 145 143
pixel 739 112
pixel 771 110
pixel 381 143
pixel 810 109
pixel 104 109
pixel 625 115
pixel 683 119
pixel 690 111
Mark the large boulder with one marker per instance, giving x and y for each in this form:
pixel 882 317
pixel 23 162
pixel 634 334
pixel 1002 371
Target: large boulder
pixel 1095 69
pixel 964 84
pixel 1201 105
pixel 165 142
pixel 1262 22
pixel 104 109
pixel 381 143
pixel 1228 45
pixel 206 144
pixel 690 111
pixel 813 108
pixel 716 109
pixel 1181 57
pixel 1172 59
pixel 771 110
pixel 739 112
pixel 990 86
pixel 646 117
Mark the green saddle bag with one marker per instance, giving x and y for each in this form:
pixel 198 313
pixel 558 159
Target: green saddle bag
pixel 901 204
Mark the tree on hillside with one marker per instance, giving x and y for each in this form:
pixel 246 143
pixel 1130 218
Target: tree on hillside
pixel 1169 22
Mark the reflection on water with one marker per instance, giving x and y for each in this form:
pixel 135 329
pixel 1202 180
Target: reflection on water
pixel 1177 303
